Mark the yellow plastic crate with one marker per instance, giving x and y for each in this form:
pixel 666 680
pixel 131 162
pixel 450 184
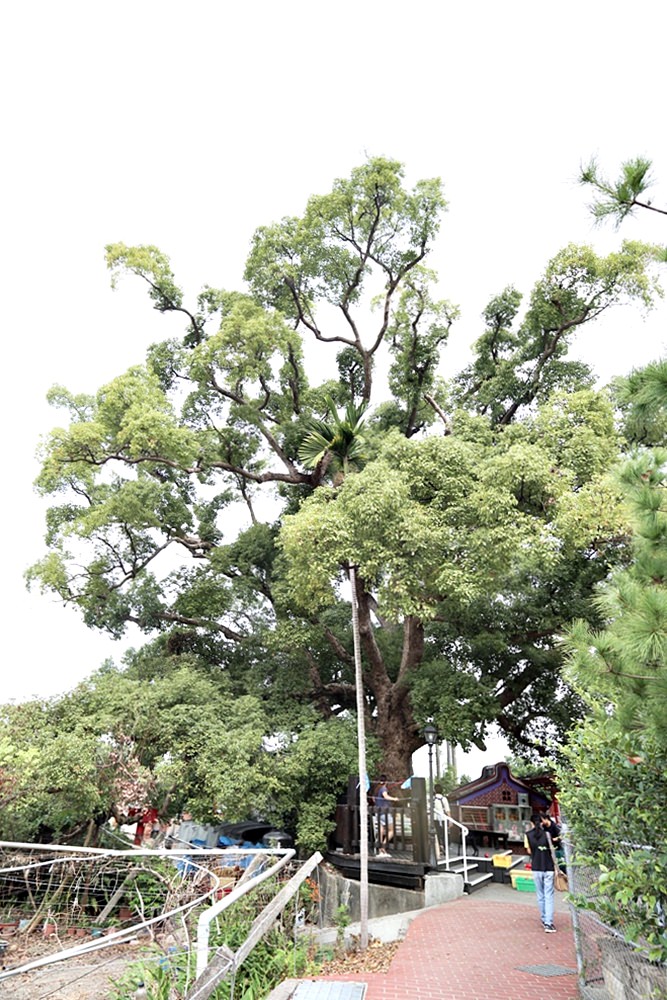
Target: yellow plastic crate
pixel 502 860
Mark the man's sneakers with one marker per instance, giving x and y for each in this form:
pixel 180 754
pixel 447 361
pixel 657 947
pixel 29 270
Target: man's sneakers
pixel 549 929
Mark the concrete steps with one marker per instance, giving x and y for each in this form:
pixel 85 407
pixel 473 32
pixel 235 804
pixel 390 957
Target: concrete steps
pixel 473 877
pixel 481 871
pixel 477 882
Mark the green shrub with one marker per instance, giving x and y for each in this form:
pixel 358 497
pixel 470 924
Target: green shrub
pixel 277 957
pixel 613 789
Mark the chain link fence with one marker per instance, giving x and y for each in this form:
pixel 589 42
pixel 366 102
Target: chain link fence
pixel 609 967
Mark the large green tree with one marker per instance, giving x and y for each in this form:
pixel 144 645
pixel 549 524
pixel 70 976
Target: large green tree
pixel 187 505
pixel 470 555
pixel 624 665
pixel 165 732
pixel 613 775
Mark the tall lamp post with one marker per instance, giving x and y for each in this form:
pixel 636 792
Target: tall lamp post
pixel 430 734
pixel 363 774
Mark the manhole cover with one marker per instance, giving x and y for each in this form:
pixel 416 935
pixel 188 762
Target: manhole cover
pixel 330 991
pixel 547 970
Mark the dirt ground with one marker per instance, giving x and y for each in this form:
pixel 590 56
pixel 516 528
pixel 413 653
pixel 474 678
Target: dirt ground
pixel 90 977
pixel 376 958
pixel 83 978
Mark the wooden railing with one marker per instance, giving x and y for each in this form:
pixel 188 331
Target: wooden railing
pixel 408 819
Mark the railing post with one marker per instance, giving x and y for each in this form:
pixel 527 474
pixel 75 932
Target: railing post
pixel 445 827
pixel 419 816
pixel 350 831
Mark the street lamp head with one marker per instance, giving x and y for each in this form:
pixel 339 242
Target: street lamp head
pixel 430 734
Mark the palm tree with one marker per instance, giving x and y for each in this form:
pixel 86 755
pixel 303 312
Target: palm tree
pixel 337 443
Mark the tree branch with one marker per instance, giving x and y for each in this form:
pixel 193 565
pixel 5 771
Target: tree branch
pixel 376 673
pixel 649 206
pixel 176 619
pixel 296 477
pixel 169 306
pixel 338 648
pixel 413 647
pixel 516 731
pixel 441 413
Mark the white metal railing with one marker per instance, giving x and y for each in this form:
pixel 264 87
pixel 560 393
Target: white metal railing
pixel 224 962
pixel 464 846
pixel 244 885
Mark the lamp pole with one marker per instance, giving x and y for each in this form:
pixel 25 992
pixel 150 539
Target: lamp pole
pixel 361 741
pixel 430 734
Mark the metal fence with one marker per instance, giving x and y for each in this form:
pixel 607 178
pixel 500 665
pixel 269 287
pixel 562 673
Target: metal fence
pixel 609 967
pixel 60 905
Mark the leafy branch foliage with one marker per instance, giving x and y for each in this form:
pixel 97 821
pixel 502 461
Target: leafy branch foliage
pixel 276 957
pixel 612 777
pixel 620 198
pixel 613 787
pixel 165 732
pixel 192 495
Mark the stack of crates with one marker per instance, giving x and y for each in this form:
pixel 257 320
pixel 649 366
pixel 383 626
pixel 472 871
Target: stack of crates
pixel 502 864
pixel 522 880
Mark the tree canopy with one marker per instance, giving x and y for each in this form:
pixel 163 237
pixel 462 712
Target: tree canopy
pixel 613 770
pixel 165 732
pixel 192 495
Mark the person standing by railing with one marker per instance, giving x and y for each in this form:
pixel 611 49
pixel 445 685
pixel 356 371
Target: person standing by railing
pixel 384 816
pixel 441 811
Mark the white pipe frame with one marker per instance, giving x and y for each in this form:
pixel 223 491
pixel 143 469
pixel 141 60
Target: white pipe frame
pixel 120 936
pixel 464 845
pixel 208 916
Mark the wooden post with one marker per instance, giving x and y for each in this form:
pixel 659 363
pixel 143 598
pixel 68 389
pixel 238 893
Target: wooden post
pixel 419 813
pixel 225 961
pixel 350 833
pixel 117 896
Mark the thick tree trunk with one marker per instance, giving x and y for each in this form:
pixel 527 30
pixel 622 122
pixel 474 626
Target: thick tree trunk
pixel 399 738
pixel 393 723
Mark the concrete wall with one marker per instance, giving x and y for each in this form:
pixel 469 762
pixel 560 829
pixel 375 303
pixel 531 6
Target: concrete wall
pixel 628 976
pixel 383 900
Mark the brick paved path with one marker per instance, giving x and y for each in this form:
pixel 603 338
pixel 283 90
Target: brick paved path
pixel 472 949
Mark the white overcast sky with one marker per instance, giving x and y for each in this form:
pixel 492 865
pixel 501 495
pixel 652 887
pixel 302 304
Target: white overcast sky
pixel 187 125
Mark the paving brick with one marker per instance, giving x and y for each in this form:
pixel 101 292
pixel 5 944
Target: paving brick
pixel 473 949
